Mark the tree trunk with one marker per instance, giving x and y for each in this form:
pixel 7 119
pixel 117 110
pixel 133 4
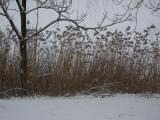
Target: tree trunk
pixel 23 47
pixel 23 66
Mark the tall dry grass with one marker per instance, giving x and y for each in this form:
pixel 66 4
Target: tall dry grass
pixel 74 60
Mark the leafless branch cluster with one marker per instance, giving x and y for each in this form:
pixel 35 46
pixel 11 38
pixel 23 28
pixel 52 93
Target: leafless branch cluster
pixel 5 13
pixel 63 10
pixel 154 5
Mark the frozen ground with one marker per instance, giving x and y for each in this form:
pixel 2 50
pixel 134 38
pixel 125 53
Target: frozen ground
pixel 117 107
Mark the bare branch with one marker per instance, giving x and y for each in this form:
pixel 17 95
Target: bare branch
pixel 2 14
pixel 117 2
pixel 37 15
pixel 38 6
pixel 13 10
pixel 3 2
pixel 153 5
pixel 42 29
pixel 103 19
pixel 11 22
pixel 75 22
pixel 53 5
pixel 6 92
pixel 132 6
pixel 136 19
pixel 19 5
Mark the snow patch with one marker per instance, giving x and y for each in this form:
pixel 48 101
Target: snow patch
pixel 116 107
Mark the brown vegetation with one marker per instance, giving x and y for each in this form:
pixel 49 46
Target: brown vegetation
pixel 70 61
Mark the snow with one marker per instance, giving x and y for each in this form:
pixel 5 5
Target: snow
pixel 116 107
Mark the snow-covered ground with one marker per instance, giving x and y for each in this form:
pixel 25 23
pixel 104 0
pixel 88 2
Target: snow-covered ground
pixel 117 107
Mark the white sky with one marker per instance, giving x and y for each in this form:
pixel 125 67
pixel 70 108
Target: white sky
pixel 95 10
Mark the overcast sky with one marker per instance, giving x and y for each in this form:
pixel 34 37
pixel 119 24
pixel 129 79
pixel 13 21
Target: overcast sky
pixel 95 10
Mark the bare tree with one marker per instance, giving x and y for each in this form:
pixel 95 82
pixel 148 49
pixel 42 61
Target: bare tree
pixel 62 8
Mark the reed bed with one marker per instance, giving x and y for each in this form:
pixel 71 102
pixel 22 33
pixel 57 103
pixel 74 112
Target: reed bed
pixel 74 60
